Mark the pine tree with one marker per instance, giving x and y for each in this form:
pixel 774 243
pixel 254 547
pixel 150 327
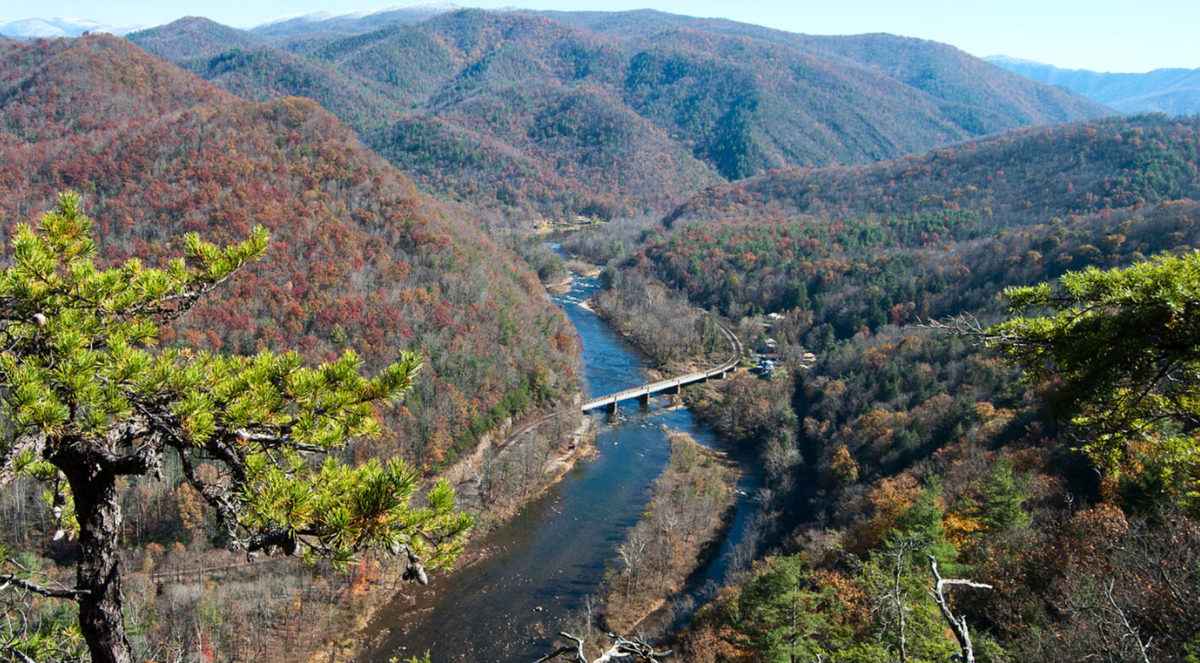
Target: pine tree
pixel 781 617
pixel 1124 346
pixel 1000 507
pixel 88 399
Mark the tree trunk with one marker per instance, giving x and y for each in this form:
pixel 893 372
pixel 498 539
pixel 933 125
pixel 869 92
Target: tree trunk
pixel 98 510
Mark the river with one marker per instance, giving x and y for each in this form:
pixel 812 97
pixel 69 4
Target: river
pixel 553 555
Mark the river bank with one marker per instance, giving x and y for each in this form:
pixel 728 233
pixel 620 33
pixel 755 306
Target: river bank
pixel 465 475
pixel 690 513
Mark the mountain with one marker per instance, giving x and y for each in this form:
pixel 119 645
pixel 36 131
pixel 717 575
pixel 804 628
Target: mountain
pixel 194 37
pixel 1019 177
pixel 537 116
pixel 353 22
pixel 937 69
pixel 772 241
pixel 1171 91
pixel 53 28
pixel 359 258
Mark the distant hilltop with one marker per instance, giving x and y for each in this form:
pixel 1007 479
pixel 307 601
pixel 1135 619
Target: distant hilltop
pixel 352 21
pixel 1170 91
pixel 429 8
pixel 53 28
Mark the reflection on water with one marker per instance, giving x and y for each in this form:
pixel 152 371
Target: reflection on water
pixel 510 605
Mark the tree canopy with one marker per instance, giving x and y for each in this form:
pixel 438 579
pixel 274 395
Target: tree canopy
pixel 87 398
pixel 1124 345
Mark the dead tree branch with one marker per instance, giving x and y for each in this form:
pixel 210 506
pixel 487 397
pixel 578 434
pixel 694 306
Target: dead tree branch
pixel 957 624
pixel 52 592
pixel 621 648
pixel 1131 630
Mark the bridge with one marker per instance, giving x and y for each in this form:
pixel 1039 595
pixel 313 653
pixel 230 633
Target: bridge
pixel 671 386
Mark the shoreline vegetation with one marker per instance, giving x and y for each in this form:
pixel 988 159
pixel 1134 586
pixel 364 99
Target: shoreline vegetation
pixel 691 509
pixel 677 338
pixel 487 483
pixel 550 456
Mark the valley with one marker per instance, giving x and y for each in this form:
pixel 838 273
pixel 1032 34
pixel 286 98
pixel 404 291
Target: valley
pixel 921 335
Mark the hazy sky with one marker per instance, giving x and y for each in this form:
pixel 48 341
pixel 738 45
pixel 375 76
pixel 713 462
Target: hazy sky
pixel 1105 35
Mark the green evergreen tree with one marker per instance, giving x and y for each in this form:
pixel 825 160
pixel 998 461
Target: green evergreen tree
pixel 794 296
pixel 1000 508
pixel 781 618
pixel 922 523
pixel 88 400
pixel 1125 346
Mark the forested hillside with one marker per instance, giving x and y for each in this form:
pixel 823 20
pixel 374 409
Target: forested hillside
pixel 966 86
pixel 911 441
pixel 898 438
pixel 538 117
pixel 358 259
pixel 783 234
pixel 1017 177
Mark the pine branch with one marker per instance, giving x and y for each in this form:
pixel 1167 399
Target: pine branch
pixel 74 594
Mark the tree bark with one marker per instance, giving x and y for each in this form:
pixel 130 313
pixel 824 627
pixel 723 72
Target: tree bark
pixel 97 507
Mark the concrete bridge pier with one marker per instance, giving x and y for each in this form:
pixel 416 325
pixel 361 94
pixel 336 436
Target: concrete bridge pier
pixel 644 401
pixel 671 391
pixel 611 408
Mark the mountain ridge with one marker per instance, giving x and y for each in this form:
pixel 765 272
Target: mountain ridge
pixel 679 107
pixel 1175 91
pixel 1077 168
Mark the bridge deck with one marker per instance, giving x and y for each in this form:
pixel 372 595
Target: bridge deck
pixel 663 385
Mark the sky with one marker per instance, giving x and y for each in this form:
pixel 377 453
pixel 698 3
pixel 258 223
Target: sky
pixel 1103 35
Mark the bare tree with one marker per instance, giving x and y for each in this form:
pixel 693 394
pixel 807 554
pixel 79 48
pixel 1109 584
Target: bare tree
pixel 957 624
pixel 633 650
pixel 1118 635
pixel 892 604
pixel 633 556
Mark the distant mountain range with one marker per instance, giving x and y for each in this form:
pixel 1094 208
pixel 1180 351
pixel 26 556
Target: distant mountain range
pixel 1171 91
pixel 555 114
pixel 53 28
pixel 344 22
pixel 552 114
pixel 353 22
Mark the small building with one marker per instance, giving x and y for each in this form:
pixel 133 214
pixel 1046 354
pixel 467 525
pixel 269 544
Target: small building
pixel 767 346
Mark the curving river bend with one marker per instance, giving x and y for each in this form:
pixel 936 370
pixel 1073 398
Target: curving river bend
pixel 509 606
